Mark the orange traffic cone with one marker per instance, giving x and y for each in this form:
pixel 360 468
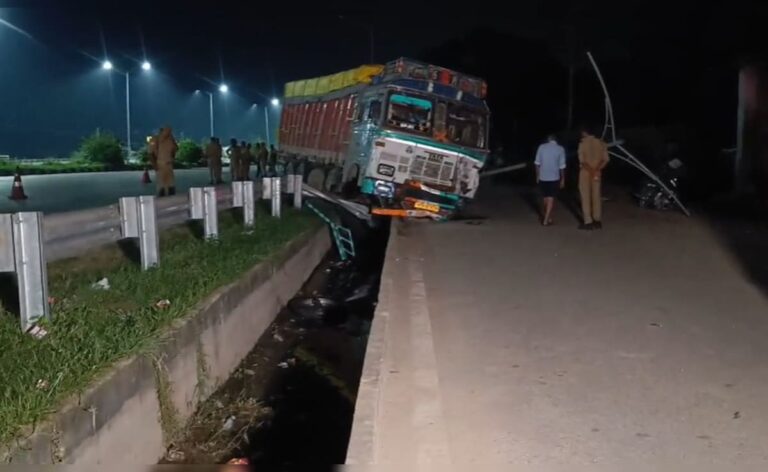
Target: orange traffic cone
pixel 145 178
pixel 17 191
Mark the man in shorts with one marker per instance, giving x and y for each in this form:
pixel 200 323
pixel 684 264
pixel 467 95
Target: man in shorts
pixel 550 175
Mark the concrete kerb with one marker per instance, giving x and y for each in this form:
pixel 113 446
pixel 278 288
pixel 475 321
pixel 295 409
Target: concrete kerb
pixel 123 418
pixel 361 449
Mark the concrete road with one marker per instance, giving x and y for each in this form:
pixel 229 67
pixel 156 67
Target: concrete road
pixel 640 347
pixel 67 192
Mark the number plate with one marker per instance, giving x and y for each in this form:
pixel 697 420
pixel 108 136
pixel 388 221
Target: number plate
pixel 422 205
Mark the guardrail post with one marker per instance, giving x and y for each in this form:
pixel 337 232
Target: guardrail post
pixel 243 197
pixel 210 213
pixel 21 252
pixel 297 191
pixel 276 197
pixel 237 194
pixel 138 219
pixel 266 188
pixel 289 186
pixel 202 206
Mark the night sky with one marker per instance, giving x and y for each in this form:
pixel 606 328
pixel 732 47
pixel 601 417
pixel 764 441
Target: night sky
pixel 666 62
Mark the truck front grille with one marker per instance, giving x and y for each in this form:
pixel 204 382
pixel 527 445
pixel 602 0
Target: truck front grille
pixel 437 171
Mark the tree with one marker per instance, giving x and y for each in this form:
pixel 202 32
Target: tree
pixel 189 153
pixel 101 148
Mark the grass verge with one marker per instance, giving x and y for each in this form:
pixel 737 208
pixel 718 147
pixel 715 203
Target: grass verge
pixel 92 329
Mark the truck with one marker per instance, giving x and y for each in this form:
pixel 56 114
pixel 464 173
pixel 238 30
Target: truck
pixel 409 137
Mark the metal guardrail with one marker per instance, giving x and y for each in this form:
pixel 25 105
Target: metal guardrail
pixel 29 240
pixel 72 233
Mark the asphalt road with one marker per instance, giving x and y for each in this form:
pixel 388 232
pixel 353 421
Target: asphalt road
pixel 66 192
pixel 640 347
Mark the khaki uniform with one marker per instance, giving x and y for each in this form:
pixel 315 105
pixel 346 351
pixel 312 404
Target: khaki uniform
pixel 245 163
pixel 234 162
pixel 166 153
pixel 594 153
pixel 152 151
pixel 263 158
pixel 213 154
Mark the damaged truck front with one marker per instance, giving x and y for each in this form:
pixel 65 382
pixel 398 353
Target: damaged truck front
pixel 410 136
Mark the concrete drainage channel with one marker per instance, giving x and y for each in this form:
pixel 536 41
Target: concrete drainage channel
pixel 291 400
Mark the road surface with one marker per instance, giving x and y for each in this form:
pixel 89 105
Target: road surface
pixel 640 347
pixel 66 192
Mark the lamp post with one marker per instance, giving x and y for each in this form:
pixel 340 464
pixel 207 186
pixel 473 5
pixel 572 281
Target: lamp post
pixel 145 66
pixel 223 88
pixel 275 103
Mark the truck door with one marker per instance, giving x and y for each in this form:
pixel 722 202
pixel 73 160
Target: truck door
pixel 366 125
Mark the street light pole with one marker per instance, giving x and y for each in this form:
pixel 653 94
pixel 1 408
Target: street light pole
pixel 128 112
pixel 108 66
pixel 266 124
pixel 210 111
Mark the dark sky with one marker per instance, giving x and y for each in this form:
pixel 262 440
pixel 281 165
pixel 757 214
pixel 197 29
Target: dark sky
pixel 50 82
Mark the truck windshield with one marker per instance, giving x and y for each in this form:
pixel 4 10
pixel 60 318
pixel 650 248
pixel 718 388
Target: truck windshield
pixel 410 114
pixel 465 126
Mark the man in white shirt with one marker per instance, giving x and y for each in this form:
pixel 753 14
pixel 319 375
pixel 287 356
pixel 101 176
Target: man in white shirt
pixel 550 174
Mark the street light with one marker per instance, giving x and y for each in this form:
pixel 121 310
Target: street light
pixel 275 103
pixel 107 65
pixel 223 89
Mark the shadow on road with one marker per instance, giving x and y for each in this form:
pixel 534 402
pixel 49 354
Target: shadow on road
pixel 565 199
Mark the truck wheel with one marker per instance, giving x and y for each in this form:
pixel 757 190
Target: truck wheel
pixel 316 178
pixel 349 187
pixel 334 179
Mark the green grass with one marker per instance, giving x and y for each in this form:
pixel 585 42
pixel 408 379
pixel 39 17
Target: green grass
pixel 91 330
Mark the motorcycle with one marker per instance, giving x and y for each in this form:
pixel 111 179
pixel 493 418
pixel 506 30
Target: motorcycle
pixel 651 195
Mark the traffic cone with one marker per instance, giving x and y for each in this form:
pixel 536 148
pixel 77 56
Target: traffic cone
pixel 145 178
pixel 17 191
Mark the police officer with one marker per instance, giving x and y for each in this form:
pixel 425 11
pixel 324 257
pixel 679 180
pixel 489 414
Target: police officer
pixel 263 158
pixel 213 154
pixel 245 160
pixel 234 159
pixel 593 157
pixel 166 154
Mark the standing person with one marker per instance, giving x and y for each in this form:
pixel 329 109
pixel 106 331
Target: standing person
pixel 152 150
pixel 245 160
pixel 550 175
pixel 255 153
pixel 166 154
pixel 263 159
pixel 593 157
pixel 273 158
pixel 234 159
pixel 213 154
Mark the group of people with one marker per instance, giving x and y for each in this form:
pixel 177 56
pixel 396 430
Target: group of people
pixel 241 156
pixel 162 149
pixel 550 175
